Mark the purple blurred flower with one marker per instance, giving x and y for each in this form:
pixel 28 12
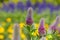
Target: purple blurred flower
pixel 5 7
pixel 38 5
pixel 44 5
pixel 55 24
pixel 29 20
pixel 28 4
pixel 57 8
pixel 20 6
pixel 41 29
pixel 51 7
pixel 41 6
pixel 11 7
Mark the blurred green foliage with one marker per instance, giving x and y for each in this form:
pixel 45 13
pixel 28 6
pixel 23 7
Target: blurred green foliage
pixel 21 16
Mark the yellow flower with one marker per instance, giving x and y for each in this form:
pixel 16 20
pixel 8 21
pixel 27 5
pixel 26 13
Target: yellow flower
pixel 21 25
pixel 1 30
pixel 35 33
pixel 46 38
pixel 46 26
pixel 36 26
pixel 10 36
pixel 8 19
pixel 22 35
pixel 10 30
pixel 1 37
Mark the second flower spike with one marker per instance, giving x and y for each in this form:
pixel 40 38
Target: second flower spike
pixel 41 29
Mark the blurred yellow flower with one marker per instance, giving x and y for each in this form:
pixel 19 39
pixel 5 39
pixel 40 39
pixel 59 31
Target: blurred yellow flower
pixel 46 27
pixel 21 25
pixel 1 37
pixel 23 35
pixel 10 30
pixel 1 30
pixel 10 36
pixel 36 25
pixel 8 19
pixel 46 38
pixel 35 33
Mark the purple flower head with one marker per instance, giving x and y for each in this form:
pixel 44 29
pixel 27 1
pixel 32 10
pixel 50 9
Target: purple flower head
pixel 20 6
pixel 16 33
pixel 29 20
pixel 28 4
pixel 39 6
pixel 51 7
pixel 5 7
pixel 11 6
pixel 55 24
pixel 41 27
pixel 43 6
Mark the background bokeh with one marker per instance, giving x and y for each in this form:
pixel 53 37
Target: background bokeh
pixel 12 11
